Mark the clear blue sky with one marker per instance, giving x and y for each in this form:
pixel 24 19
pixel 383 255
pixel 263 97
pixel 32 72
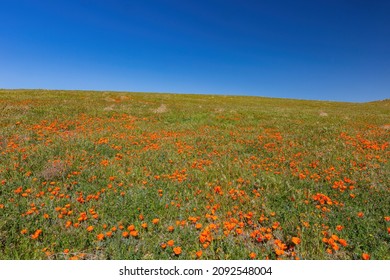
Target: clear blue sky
pixel 306 49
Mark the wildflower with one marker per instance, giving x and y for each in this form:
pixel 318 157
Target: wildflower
pixel 163 245
pixel 365 256
pixel 171 243
pixel 279 252
pixel 296 240
pixel 343 242
pixel 339 228
pixel 100 236
pixel 360 214
pixel 335 246
pixel 90 228
pixel 125 234
pixel 36 234
pixel 198 226
pixel 198 254
pixel 335 237
pixel 144 225
pixel 134 233
pixel 252 255
pixel 23 231
pixel 66 251
pixel 155 221
pixel 131 228
pixel 171 228
pixel 177 250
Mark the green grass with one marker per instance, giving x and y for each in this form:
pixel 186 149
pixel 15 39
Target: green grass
pixel 252 172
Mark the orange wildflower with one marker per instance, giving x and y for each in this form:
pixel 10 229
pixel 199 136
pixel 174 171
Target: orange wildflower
pixel 125 234
pixel 131 228
pixel 100 236
pixel 335 246
pixel 90 228
pixel 252 255
pixel 279 252
pixel 360 214
pixel 155 221
pixel 339 227
pixel 296 240
pixel 199 254
pixel 66 251
pixel 365 256
pixel 343 242
pixel 163 245
pixel 144 225
pixel 335 237
pixel 198 226
pixel 171 243
pixel 23 231
pixel 171 228
pixel 177 250
pixel 36 234
pixel 134 233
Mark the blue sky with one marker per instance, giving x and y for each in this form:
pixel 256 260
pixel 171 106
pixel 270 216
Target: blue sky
pixel 305 49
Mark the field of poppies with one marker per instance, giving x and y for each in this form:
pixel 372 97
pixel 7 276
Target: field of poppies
pixel 115 175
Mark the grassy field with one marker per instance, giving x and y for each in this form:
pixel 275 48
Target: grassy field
pixel 115 175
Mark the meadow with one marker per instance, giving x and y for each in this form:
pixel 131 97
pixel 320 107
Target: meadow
pixel 116 175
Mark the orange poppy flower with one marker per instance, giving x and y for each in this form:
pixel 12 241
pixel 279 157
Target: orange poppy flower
pixel 177 250
pixel 90 228
pixel 131 228
pixel 279 252
pixel 134 233
pixel 365 256
pixel 100 236
pixel 252 255
pixel 155 221
pixel 171 243
pixel 296 240
pixel 343 242
pixel 199 254
pixel 125 234
pixel 339 227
